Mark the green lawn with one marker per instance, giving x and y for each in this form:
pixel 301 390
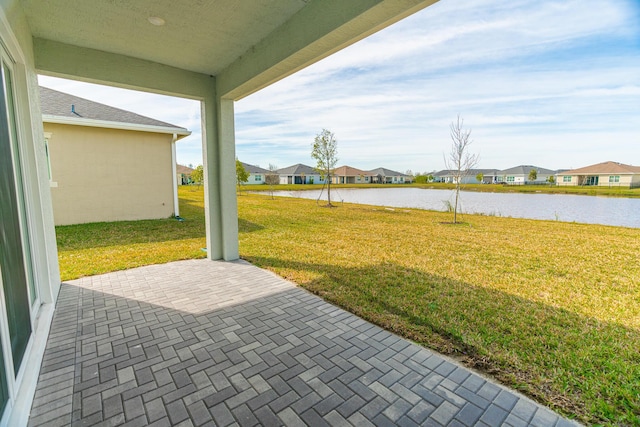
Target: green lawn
pixel 549 308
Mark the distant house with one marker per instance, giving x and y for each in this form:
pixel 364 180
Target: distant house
pixel 387 176
pixel 489 176
pixel 299 174
pixel 257 174
pixel 183 174
pixel 519 175
pixel 107 164
pixel 606 174
pixel 349 175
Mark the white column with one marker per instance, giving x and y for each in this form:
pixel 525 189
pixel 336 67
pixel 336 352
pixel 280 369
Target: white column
pixel 228 196
pixel 221 208
pixel 174 173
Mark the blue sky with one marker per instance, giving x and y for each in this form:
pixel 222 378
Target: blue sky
pixel 550 83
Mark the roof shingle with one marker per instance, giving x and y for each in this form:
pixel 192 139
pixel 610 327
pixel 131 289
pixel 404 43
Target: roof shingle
pixel 60 104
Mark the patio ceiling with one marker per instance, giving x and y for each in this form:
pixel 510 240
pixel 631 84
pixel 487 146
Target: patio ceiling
pixel 246 44
pixel 201 36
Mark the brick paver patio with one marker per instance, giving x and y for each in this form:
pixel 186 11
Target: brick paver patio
pixel 198 342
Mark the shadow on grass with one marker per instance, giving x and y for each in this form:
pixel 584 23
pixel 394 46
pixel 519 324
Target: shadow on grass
pixel 122 233
pixel 578 365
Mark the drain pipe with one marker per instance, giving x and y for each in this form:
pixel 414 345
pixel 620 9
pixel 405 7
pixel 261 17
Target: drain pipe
pixel 174 174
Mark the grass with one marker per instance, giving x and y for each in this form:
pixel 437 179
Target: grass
pixel 549 308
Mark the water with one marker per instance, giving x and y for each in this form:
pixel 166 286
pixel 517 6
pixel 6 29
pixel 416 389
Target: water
pixel 560 207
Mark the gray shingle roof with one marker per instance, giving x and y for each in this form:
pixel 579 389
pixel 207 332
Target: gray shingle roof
pixel 472 172
pixel 297 170
pixel 386 172
pixel 254 169
pixel 60 104
pixel 525 169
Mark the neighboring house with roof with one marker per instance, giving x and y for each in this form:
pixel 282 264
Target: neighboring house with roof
pixel 606 174
pixel 489 176
pixel 387 176
pixel 349 175
pixel 183 174
pixel 299 174
pixel 107 164
pixel 257 174
pixel 519 175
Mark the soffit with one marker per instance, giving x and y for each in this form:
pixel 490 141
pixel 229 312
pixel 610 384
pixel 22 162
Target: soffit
pixel 204 36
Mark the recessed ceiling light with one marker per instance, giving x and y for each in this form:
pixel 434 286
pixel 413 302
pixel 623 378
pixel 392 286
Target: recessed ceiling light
pixel 157 21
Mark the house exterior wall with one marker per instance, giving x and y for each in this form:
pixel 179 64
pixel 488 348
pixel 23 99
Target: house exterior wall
pixel 299 179
pixel 100 174
pixel 628 181
pixel 514 179
pixel 618 180
pixel 572 180
pixel 255 178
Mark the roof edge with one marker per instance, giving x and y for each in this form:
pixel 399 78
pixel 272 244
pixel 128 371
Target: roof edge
pixel 180 132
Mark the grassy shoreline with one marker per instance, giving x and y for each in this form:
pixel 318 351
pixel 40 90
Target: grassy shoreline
pixel 549 308
pixel 483 188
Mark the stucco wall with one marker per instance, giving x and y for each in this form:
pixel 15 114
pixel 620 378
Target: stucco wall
pixel 625 181
pixel 109 174
pixel 560 180
pixel 252 178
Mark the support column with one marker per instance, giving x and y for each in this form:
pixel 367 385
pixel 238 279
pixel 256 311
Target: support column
pixel 174 173
pixel 221 207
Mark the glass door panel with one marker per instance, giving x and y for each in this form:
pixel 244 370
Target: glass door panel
pixel 12 255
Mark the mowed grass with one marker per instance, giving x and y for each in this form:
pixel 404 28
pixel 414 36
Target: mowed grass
pixel 549 308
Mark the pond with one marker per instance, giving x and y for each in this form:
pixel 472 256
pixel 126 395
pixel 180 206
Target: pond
pixel 560 207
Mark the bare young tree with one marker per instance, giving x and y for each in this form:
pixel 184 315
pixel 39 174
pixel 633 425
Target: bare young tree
pixel 272 178
pixel 325 149
pixel 460 160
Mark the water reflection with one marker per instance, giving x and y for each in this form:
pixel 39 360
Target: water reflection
pixel 561 207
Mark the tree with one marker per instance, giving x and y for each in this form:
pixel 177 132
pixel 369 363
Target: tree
pixel 480 177
pixel 242 176
pixel 551 179
pixel 272 178
pixel 459 160
pixel 197 175
pixel 533 175
pixel 325 150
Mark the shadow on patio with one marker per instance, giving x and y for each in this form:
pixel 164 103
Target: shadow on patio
pixel 212 343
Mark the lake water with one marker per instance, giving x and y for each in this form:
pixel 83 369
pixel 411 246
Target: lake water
pixel 560 207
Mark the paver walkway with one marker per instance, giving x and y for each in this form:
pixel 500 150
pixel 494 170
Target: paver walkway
pixel 214 343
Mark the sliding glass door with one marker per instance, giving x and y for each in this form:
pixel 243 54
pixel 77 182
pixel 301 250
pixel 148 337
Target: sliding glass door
pixel 14 267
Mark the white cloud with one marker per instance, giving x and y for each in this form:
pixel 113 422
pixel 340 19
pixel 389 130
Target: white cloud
pixel 552 83
pixel 524 74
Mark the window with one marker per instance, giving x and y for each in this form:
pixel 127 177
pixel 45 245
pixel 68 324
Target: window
pixel 511 179
pixel 47 152
pixel 258 177
pixel 614 178
pixel 566 178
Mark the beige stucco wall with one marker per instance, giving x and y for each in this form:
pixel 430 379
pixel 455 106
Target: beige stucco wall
pixel 625 181
pixel 100 174
pixel 631 181
pixel 560 182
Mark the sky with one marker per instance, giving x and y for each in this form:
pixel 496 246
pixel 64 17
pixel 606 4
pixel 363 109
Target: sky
pixel 555 84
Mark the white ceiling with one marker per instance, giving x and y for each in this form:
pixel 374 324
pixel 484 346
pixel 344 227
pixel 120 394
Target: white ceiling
pixel 204 36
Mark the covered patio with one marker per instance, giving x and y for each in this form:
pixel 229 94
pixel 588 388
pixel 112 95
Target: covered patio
pixel 202 342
